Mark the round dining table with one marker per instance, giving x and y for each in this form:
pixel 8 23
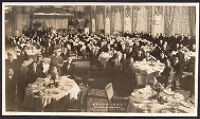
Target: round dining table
pixel 39 94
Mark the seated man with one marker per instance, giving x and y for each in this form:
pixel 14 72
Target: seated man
pixel 32 72
pixel 68 68
pixel 22 57
pixel 10 89
pixel 166 78
pixel 139 56
pixel 11 63
pixel 162 57
pixel 58 61
pixel 65 54
pixel 178 68
pixel 149 57
pixel 181 56
pixel 128 77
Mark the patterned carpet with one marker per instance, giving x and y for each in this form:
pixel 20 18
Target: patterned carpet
pixel 97 81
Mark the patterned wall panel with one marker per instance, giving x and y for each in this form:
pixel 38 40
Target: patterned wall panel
pixel 127 19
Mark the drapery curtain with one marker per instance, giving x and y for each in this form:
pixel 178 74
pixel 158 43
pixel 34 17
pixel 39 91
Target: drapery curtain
pixel 192 19
pixel 134 17
pixel 100 14
pixel 157 20
pixel 100 21
pixel 107 19
pixel 142 20
pixel 117 21
pixel 127 19
pixel 149 18
pixel 169 19
pixel 61 23
pixel 181 21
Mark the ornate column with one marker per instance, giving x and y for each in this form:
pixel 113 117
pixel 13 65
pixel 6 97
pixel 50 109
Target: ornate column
pixel 127 18
pixel 93 22
pixel 100 18
pixel 107 19
pixel 157 20
pixel 118 18
pixel 142 19
pixel 134 17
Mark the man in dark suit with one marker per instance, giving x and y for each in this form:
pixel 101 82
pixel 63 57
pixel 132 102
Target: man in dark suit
pixel 68 68
pixel 162 57
pixel 32 72
pixel 11 63
pixel 181 56
pixel 136 46
pixel 178 68
pixel 58 61
pixel 11 85
pixel 139 56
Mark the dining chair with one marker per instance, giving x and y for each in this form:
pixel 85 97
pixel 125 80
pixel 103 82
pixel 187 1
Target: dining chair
pixel 140 79
pixel 115 103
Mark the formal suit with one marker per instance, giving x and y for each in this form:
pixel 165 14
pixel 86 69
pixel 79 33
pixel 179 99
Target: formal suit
pixel 167 77
pixel 65 56
pixel 32 75
pixel 68 69
pixel 181 56
pixel 11 84
pixel 139 58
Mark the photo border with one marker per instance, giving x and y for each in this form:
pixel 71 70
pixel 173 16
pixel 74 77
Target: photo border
pixel 95 113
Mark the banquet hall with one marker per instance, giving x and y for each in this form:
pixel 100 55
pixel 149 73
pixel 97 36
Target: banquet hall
pixel 100 58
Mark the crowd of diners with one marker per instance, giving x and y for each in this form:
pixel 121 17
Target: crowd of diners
pixel 125 48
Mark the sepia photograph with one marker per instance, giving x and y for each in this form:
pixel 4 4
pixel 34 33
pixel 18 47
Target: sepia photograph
pixel 100 58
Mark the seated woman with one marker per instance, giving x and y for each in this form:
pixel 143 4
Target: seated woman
pixel 68 68
pixel 166 78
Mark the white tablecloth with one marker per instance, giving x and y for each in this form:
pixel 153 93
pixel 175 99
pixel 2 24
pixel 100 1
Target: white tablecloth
pixel 66 87
pixel 139 102
pixel 145 71
pixel 144 67
pixel 188 55
pixel 103 58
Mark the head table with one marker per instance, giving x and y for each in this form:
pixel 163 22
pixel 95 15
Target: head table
pixel 147 100
pixel 38 94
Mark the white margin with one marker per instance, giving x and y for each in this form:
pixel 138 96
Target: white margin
pixel 95 113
